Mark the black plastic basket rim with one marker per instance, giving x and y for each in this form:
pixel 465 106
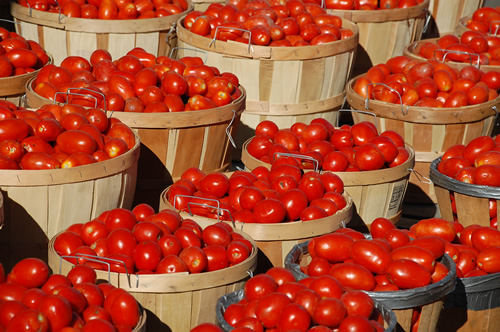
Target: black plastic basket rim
pixel 402 299
pixel 441 180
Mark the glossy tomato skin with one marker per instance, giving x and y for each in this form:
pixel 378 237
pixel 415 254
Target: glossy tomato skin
pixel 258 286
pixel 354 276
pixel 29 272
pixel 407 274
pixel 371 255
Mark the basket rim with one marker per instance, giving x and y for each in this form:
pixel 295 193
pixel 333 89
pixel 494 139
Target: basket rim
pixel 351 178
pixel 168 282
pixel 12 85
pixel 74 24
pixel 383 15
pixel 294 230
pixel 425 115
pixel 402 299
pixel 441 180
pixel 59 176
pixel 240 50
pixel 167 119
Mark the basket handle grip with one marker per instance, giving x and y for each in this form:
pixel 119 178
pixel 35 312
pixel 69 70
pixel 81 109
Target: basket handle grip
pixel 367 105
pixel 428 16
pixel 102 260
pixel 447 52
pixel 298 156
pixel 190 49
pixel 358 111
pixel 13 22
pixel 250 48
pixel 89 95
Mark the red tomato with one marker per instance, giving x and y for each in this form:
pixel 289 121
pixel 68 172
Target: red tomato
pixel 420 255
pixel 29 272
pixel 329 312
pixel 435 226
pixel 195 259
pixel 147 255
pixel 370 255
pixel 357 303
pixel 58 311
pixel 333 247
pixel 258 286
pixel 407 274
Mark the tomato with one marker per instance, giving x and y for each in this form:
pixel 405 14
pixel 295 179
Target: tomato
pixel 120 218
pixel 58 311
pixel 258 286
pixel 487 260
pixel 433 243
pixel 329 312
pixel 121 241
pixel 147 255
pixel 269 211
pixel 368 157
pixel 15 129
pixel 124 310
pixel 194 258
pixel 357 303
pixel 237 252
pixel 29 320
pixel 370 255
pixel 407 274
pixel 488 175
pixel 485 237
pixel 422 256
pixel 29 272
pixel 269 307
pixel 435 226
pixel 333 247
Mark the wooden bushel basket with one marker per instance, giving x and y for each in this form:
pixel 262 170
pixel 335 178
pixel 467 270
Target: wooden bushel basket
pixel 234 297
pixel 412 51
pixel 64 36
pixel 177 301
pixel 374 194
pixel 471 200
pixel 384 33
pixel 173 142
pixel 428 130
pixel 41 203
pixel 430 298
pixel 283 84
pixel 447 13
pixel 275 240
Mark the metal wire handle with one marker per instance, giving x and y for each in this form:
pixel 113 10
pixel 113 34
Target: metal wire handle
pixel 189 49
pixel 367 105
pixel 250 47
pixel 358 111
pixel 427 20
pixel 228 132
pixel 14 22
pixel 94 91
pixel 299 156
pixel 420 177
pixel 471 55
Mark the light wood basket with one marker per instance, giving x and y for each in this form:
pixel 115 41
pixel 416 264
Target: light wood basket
pixel 284 84
pixel 384 33
pixel 173 142
pixel 471 200
pixel 41 203
pixel 446 14
pixel 412 51
pixel 176 301
pixel 64 36
pixel 276 240
pixel 430 298
pixel 375 194
pixel 430 131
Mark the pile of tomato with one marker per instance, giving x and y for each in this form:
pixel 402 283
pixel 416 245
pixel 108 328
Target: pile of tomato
pixel 109 9
pixel 282 194
pixel 18 55
pixel 137 82
pixel 370 4
pixel 430 83
pixel 31 299
pixel 144 242
pixel 59 137
pixel 346 149
pixel 478 162
pixel 275 300
pixel 268 23
pixel 471 47
pixel 485 19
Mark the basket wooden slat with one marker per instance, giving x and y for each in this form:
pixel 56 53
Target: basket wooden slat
pixel 63 36
pixel 177 301
pixel 447 13
pixel 428 130
pixel 392 28
pixel 276 240
pixel 375 194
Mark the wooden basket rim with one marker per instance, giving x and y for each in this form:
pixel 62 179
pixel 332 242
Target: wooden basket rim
pixel 169 282
pixel 167 119
pixel 86 25
pixel 350 178
pixel 294 230
pixel 61 176
pixel 13 85
pixel 383 15
pixel 240 50
pixel 426 115
pixel 411 51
